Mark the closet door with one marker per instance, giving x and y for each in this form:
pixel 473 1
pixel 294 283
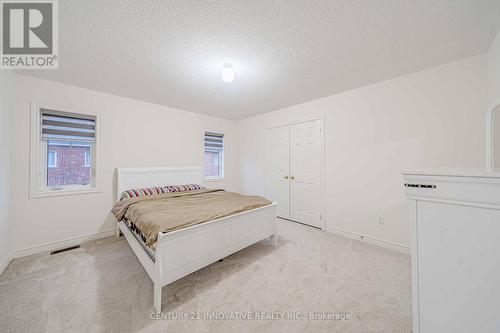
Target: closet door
pixel 278 167
pixel 305 173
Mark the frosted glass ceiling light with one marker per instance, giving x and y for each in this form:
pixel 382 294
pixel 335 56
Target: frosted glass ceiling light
pixel 227 72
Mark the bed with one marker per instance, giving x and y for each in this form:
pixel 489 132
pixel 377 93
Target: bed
pixel 181 252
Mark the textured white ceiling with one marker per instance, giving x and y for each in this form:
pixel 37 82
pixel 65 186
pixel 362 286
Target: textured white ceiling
pixel 284 52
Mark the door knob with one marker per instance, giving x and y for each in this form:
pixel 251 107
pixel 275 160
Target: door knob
pixel 292 178
pixel 286 177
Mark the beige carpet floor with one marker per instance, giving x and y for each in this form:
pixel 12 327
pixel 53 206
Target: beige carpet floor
pixel 349 286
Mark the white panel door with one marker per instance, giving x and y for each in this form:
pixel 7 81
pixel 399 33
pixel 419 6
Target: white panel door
pixel 305 173
pixel 278 167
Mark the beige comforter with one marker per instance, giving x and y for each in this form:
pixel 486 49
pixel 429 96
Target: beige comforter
pixel 172 211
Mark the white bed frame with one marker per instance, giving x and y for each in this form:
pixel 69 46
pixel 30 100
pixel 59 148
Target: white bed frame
pixel 181 252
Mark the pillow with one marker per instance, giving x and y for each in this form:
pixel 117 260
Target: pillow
pixel 134 193
pixel 182 188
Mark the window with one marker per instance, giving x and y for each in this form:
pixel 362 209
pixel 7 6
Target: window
pixel 214 156
pixel 52 159
pixel 64 149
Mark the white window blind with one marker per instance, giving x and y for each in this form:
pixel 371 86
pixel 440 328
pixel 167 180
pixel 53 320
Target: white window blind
pixel 57 125
pixel 214 142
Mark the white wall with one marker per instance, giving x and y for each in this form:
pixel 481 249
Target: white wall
pixel 5 88
pixel 494 71
pixel 433 118
pixel 132 133
pixel 494 93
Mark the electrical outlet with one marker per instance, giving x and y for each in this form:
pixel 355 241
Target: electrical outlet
pixel 380 220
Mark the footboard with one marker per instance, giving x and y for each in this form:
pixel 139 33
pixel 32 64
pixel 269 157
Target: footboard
pixel 184 251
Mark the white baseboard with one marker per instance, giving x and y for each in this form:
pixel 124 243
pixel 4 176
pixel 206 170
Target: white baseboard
pixel 60 244
pixel 5 262
pixel 372 240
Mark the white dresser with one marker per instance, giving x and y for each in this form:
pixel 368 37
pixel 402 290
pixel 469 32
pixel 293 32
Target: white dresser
pixel 455 250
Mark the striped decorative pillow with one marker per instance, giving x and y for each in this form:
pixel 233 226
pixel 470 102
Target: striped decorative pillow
pixel 134 193
pixel 182 188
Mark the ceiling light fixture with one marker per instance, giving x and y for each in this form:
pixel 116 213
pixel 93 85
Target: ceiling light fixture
pixel 227 72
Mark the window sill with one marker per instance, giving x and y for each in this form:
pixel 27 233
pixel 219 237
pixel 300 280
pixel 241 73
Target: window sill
pixel 62 192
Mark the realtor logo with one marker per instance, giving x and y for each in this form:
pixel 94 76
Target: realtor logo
pixel 29 34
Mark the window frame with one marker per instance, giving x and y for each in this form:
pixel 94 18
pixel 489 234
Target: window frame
pixel 38 158
pixel 221 175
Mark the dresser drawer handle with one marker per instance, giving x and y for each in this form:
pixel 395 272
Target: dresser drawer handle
pixel 420 185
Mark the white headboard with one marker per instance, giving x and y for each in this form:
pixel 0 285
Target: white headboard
pixel 129 178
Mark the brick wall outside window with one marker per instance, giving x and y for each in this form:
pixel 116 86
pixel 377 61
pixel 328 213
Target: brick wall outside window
pixel 71 169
